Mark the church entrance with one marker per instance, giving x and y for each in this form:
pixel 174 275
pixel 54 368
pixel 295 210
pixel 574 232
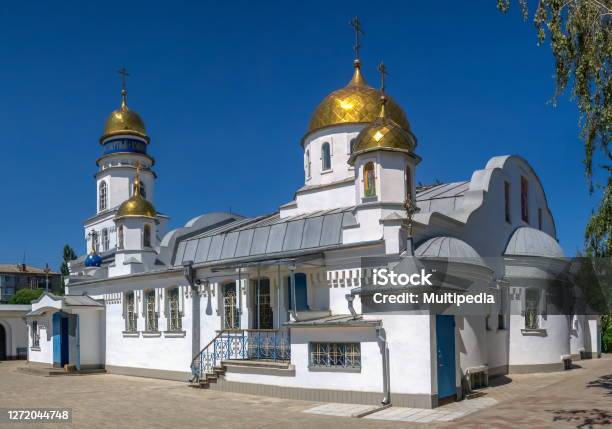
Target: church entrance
pixel 2 343
pixel 263 307
pixel 64 328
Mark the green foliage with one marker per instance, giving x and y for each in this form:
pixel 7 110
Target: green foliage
pixel 598 234
pixel 69 255
pixel 25 296
pixel 606 333
pixel 580 34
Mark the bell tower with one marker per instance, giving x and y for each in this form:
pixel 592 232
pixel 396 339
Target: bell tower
pixel 125 145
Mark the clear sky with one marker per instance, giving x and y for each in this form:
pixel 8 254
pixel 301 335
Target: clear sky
pixel 227 89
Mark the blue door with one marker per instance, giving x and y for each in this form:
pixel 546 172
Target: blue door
pixel 301 295
pixel 445 339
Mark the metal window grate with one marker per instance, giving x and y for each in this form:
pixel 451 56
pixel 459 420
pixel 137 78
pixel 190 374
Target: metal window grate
pixel 339 355
pixel 151 313
pixel 176 322
pixel 131 314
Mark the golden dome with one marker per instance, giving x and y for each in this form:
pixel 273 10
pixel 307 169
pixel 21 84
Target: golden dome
pixel 124 121
pixel 136 205
pixel 383 134
pixel 355 103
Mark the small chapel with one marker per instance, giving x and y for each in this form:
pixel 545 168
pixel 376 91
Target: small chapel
pixel 272 304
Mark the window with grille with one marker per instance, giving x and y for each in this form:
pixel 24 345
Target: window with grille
pixel 175 323
pixel 131 314
pixel 231 318
pixel 35 334
pixel 335 355
pixel 150 312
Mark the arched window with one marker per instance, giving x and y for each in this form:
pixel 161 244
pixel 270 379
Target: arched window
pixel 105 240
pixel 308 164
pixel 325 157
pixel 408 184
pixel 146 236
pixel 143 191
pixel 369 181
pixel 352 145
pixel 102 194
pixel 120 237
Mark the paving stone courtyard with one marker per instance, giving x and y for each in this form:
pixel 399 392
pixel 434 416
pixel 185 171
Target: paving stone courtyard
pixel 580 398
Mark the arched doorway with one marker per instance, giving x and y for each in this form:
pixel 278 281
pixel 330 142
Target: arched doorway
pixel 2 343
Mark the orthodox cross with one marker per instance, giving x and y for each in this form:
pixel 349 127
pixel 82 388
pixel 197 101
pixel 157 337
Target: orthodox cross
pixel 124 74
pixel 382 68
pixel 411 209
pixel 356 24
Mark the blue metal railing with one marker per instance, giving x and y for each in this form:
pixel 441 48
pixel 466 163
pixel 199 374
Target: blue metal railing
pixel 242 344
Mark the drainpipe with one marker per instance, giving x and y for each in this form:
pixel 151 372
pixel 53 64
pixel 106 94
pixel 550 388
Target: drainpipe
pixel 384 350
pixel 194 285
pixel 381 336
pixel 350 297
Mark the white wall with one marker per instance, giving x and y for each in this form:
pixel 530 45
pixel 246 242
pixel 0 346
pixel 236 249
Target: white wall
pixel 44 353
pixel 16 332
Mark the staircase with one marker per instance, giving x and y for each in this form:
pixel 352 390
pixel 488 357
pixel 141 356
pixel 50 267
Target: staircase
pixel 271 345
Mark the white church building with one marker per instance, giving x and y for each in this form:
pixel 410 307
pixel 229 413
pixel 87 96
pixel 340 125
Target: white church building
pixel 271 304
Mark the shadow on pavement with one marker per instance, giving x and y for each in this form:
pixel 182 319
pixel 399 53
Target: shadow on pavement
pixel 603 382
pixel 584 419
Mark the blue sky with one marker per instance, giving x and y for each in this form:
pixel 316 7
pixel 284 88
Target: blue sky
pixel 227 89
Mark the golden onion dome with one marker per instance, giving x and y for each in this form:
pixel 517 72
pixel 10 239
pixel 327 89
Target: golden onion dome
pixel 124 121
pixel 383 134
pixel 136 205
pixel 355 103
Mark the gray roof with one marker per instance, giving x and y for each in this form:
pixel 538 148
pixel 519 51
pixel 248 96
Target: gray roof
pixel 266 236
pixel 444 198
pixel 526 241
pixel 449 247
pixel 72 300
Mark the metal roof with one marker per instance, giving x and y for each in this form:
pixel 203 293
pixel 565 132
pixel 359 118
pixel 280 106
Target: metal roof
pixel 266 235
pixel 526 241
pixel 444 198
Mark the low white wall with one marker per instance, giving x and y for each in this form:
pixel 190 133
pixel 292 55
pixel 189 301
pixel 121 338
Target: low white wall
pixel 163 353
pixel 369 379
pixel 530 349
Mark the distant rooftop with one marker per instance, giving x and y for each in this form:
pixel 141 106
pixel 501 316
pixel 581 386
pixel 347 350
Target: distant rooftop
pixel 22 269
